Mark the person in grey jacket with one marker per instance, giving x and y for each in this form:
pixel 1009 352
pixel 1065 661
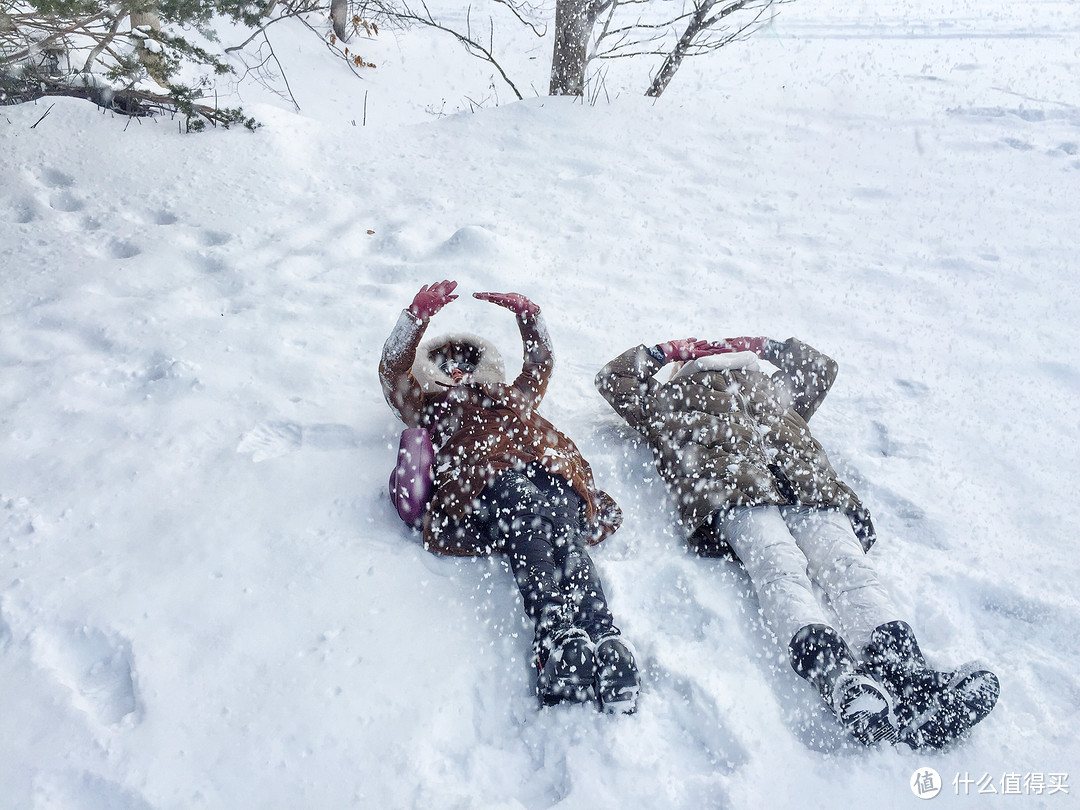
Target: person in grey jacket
pixel 731 442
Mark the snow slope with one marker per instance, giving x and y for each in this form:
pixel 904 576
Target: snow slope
pixel 206 600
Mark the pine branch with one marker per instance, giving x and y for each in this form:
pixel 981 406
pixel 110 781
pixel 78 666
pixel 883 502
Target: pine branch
pixel 18 56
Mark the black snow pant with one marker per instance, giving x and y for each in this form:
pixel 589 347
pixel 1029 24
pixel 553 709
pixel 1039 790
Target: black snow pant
pixel 536 518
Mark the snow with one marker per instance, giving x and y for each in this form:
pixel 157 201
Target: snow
pixel 206 597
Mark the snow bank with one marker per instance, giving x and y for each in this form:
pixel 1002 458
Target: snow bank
pixel 206 598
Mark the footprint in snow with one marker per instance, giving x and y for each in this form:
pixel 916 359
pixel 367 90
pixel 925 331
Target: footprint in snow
pixel 915 388
pixel 54 178
pixel 65 200
pixel 215 238
pixel 273 439
pixel 688 705
pixel 23 211
pixel 1025 615
pixel 123 249
pixel 1016 143
pixel 75 790
pixel 95 666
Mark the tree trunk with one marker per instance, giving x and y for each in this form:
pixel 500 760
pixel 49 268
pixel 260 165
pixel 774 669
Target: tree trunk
pixel 674 59
pixel 699 21
pixel 573 24
pixel 338 11
pixel 150 59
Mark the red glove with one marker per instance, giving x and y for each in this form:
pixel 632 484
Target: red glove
pixel 432 298
pixel 691 349
pixel 515 302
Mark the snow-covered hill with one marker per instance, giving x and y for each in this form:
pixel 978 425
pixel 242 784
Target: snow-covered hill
pixel 206 599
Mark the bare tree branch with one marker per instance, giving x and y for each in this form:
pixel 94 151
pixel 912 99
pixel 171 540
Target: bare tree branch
pixel 105 41
pixel 329 45
pixel 261 29
pixel 474 47
pixel 700 21
pixel 284 78
pixel 516 11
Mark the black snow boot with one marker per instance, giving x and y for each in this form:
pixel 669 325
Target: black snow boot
pixel 932 708
pixel 862 706
pixel 616 675
pixel 565 662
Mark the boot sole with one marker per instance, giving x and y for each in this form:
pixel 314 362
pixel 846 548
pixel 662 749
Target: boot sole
pixel 618 695
pixel 867 713
pixel 617 680
pixel 570 679
pixel 973 693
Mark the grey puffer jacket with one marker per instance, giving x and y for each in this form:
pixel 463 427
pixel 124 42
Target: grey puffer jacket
pixel 725 434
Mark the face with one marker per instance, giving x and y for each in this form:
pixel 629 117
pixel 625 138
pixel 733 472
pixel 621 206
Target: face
pixel 458 367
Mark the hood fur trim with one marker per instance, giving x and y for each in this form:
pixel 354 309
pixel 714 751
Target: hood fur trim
pixel 427 371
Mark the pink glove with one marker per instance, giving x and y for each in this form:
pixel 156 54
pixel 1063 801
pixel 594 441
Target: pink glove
pixel 747 344
pixel 515 302
pixel 691 349
pixel 432 298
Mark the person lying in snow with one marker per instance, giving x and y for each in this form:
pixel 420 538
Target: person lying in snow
pixel 732 444
pixel 506 481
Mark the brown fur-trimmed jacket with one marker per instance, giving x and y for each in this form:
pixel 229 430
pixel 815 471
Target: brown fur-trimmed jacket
pixel 725 434
pixel 483 427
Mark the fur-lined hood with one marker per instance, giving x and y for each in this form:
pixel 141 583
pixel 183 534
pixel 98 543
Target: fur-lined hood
pixel 428 371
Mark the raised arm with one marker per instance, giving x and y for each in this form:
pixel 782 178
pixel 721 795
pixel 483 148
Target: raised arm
pixel 400 388
pixel 803 372
pixel 538 360
pixel 627 383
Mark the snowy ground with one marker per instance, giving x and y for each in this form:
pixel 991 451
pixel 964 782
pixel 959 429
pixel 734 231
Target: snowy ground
pixel 206 600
